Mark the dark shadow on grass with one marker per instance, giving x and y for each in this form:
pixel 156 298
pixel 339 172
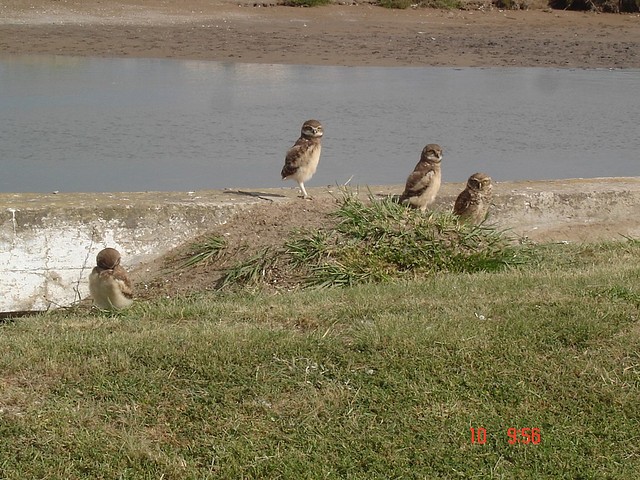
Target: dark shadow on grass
pixel 8 317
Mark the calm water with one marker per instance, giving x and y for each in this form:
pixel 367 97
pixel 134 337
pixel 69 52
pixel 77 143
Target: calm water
pixel 84 124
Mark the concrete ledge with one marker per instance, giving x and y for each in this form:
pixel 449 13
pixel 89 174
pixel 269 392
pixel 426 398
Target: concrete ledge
pixel 48 242
pixel 578 210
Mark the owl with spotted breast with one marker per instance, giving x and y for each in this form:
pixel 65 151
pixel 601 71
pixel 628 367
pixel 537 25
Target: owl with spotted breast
pixel 473 202
pixel 424 182
pixel 109 284
pixel 301 160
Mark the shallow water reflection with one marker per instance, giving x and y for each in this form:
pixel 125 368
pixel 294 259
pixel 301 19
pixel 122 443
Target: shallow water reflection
pixel 89 124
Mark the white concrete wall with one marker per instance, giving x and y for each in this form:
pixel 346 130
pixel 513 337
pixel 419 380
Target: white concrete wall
pixel 48 243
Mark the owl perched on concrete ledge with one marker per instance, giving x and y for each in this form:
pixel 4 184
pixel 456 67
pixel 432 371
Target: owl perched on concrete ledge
pixel 302 159
pixel 424 182
pixel 473 202
pixel 109 283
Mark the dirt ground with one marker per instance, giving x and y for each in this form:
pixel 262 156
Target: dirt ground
pixel 347 34
pixel 263 226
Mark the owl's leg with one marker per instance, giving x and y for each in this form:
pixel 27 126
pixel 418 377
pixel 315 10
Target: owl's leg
pixel 305 195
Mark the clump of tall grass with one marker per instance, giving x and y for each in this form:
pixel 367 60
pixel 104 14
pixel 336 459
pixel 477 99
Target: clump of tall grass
pixel 204 251
pixel 382 240
pixel 255 270
pixel 377 241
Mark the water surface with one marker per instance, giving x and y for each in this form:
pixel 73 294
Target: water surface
pixel 95 124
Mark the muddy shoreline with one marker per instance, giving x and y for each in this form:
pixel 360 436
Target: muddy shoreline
pixel 347 35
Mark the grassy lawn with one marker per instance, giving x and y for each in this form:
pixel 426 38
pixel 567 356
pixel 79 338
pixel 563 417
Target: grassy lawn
pixel 376 380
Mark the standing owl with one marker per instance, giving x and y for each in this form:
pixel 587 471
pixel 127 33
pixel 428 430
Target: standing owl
pixel 424 182
pixel 109 283
pixel 302 158
pixel 473 202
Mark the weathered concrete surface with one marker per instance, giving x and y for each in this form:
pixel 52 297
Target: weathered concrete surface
pixel 577 210
pixel 48 242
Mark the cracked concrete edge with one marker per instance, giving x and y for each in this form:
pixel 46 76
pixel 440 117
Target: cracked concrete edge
pixel 48 241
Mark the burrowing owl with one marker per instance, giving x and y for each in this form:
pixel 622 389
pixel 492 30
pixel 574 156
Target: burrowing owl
pixel 109 283
pixel 473 202
pixel 424 182
pixel 302 159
